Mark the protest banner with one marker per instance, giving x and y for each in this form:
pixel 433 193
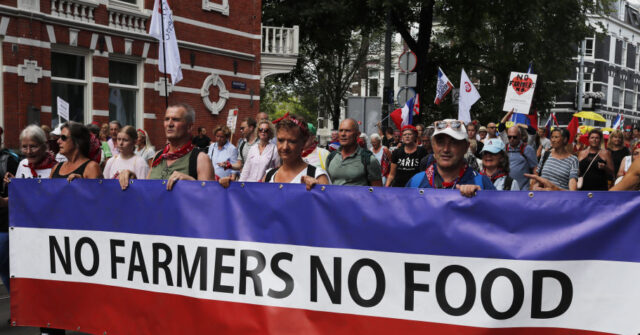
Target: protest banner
pixel 520 92
pixel 277 259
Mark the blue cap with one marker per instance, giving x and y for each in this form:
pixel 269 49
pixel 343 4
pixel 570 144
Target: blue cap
pixel 493 145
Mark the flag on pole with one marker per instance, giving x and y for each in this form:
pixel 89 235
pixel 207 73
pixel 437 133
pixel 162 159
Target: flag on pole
pixel 443 87
pixel 170 40
pixel 551 121
pixel 573 128
pixel 468 96
pixel 404 116
pixel 618 122
pixel 530 70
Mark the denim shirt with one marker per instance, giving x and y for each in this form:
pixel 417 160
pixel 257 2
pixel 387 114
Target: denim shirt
pixel 227 153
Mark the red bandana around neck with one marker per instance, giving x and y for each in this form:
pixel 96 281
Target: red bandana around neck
pixel 173 155
pixel 495 177
pixel 48 162
pixel 308 151
pixel 431 173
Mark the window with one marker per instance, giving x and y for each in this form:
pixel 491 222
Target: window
pixel 588 82
pixel 133 2
pixel 588 50
pixel 221 6
pixel 123 92
pixel 629 98
pixel 374 78
pixel 615 100
pixel 69 82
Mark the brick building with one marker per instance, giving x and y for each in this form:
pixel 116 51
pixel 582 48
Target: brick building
pixel 97 55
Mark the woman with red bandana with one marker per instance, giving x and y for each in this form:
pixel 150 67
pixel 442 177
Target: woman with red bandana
pixel 37 164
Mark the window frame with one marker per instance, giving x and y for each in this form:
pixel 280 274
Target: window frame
pixel 138 87
pixel 222 8
pixel 88 78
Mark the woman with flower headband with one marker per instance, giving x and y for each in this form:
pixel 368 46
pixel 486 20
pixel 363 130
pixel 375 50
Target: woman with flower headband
pixel 291 135
pixel 144 148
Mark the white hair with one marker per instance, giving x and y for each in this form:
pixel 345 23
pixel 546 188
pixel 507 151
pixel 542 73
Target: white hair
pixel 375 136
pixel 34 133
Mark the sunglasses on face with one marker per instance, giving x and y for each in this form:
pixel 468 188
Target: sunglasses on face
pixel 440 125
pixel 512 137
pixel 64 138
pixel 263 130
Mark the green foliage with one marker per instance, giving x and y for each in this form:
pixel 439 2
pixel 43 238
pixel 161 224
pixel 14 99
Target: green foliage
pixel 279 97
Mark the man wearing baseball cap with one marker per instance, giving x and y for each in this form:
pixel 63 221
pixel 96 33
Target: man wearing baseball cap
pixel 406 159
pixel 449 170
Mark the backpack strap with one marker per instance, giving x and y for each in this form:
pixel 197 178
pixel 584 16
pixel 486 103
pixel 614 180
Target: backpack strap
pixel 270 174
pixel 193 163
pixel 330 157
pixel 365 156
pixel 507 184
pixel 240 150
pixel 311 171
pixel 544 160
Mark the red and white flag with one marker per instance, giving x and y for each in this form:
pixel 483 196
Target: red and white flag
pixel 170 40
pixel 468 96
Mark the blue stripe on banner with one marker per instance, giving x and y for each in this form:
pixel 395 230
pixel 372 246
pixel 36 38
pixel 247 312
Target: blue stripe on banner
pixel 509 225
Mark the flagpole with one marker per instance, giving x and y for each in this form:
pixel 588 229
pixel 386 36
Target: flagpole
pixel 164 55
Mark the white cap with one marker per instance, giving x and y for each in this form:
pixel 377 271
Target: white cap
pixel 459 133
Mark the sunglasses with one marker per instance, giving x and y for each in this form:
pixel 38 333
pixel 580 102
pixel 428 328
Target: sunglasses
pixel 440 125
pixel 491 127
pixel 64 138
pixel 512 137
pixel 263 130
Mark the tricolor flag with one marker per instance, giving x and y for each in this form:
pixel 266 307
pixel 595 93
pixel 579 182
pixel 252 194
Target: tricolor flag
pixel 551 121
pixel 468 96
pixel 404 116
pixel 443 87
pixel 618 122
pixel 170 41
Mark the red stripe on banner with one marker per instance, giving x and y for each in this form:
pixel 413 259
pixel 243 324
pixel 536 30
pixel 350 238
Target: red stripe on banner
pixel 99 308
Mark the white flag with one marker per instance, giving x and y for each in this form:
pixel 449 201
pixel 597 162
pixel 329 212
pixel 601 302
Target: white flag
pixel 170 40
pixel 468 96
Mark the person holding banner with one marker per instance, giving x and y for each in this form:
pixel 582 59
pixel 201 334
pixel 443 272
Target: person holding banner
pixel 449 169
pixel 126 159
pixel 75 143
pixel 37 164
pixel 558 167
pixel 291 135
pixel 178 160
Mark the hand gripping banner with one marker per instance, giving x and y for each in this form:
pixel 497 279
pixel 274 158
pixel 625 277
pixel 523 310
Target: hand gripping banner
pixel 277 259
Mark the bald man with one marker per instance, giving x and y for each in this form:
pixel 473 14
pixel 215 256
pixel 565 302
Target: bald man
pixel 352 165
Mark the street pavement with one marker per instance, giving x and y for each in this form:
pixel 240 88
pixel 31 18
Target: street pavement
pixel 5 328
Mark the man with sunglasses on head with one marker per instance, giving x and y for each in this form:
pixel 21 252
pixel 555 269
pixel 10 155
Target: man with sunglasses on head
pixel 449 169
pixel 522 157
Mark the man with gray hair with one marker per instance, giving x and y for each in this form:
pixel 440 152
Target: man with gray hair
pixel 179 160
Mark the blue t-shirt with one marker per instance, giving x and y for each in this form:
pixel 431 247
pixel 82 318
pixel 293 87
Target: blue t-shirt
pixel 470 177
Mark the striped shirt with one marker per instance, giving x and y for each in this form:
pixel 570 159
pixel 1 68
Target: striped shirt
pixel 559 171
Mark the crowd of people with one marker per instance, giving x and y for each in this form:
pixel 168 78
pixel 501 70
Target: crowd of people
pixel 448 154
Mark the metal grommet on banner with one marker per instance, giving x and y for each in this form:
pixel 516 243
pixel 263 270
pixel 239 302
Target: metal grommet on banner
pixel 203 183
pixel 242 185
pixel 78 328
pixel 131 181
pixel 530 194
pixel 421 191
pixel 281 186
pixel 370 189
pixel 14 323
pixel 590 195
pixel 164 182
pixel 323 188
pixel 12 276
pixel 39 181
pixel 48 324
pixel 100 181
pixel 12 228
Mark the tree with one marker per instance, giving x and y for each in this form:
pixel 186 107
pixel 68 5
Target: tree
pixel 489 39
pixel 334 40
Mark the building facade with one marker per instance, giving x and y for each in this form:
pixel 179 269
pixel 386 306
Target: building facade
pixel 611 69
pixel 97 55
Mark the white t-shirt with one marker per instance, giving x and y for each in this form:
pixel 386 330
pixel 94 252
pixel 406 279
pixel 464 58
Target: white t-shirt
pixel 298 178
pixel 24 171
pixel 135 163
pixel 146 153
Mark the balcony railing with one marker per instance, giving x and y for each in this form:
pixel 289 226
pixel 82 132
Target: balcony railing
pixel 280 41
pixel 76 10
pixel 129 21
